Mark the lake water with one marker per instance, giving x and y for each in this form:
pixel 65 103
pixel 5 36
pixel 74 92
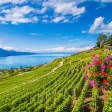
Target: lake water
pixel 29 60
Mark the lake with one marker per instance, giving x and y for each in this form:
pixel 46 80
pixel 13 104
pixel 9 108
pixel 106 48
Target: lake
pixel 29 60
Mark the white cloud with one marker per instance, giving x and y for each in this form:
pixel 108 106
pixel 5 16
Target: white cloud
pixel 43 10
pixel 36 34
pixel 99 26
pixel 45 21
pixel 63 49
pixel 7 47
pixel 57 49
pixel 60 8
pixel 64 7
pixel 17 15
pixel 84 31
pixel 83 48
pixel 12 1
pixel 97 23
pixel 65 21
pixel 104 0
pixel 58 19
pixel 45 16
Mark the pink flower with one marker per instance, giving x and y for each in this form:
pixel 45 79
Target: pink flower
pixel 91 64
pixel 107 59
pixel 102 67
pixel 84 67
pixel 110 56
pixel 95 56
pixel 95 60
pixel 85 76
pixel 91 83
pixel 96 87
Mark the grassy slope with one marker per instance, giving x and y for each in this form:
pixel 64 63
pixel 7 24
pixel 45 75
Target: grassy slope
pixel 61 81
pixel 20 79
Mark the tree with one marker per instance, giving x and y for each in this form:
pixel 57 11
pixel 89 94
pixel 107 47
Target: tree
pixel 98 44
pixel 101 39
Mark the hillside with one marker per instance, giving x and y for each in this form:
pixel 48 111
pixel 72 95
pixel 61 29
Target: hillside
pixel 59 86
pixel 4 52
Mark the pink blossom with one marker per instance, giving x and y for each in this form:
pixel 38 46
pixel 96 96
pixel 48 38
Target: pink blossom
pixel 91 83
pixel 91 64
pixel 96 87
pixel 110 56
pixel 95 56
pixel 85 76
pixel 102 67
pixel 95 60
pixel 84 67
pixel 107 59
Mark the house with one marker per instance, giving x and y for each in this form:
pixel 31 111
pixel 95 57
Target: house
pixel 108 47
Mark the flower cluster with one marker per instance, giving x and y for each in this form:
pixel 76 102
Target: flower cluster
pixel 98 72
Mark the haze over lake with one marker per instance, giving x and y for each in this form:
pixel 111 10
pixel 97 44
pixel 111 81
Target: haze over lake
pixel 29 60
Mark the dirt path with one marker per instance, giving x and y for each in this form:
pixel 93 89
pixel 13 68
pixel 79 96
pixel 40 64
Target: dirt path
pixel 24 73
pixel 105 95
pixel 24 83
pixel 54 69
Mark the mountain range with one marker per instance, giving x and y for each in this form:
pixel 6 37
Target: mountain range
pixel 4 52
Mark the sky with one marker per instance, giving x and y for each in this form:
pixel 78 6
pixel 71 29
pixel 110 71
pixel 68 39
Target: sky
pixel 53 25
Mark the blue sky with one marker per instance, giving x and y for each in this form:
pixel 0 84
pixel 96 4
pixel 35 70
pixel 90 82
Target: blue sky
pixel 53 25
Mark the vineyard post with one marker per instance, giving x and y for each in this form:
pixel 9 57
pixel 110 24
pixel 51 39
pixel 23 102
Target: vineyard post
pixel 63 90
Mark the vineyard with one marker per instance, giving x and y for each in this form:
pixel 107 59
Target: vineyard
pixel 59 86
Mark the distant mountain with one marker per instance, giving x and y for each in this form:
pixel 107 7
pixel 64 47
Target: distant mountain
pixel 4 52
